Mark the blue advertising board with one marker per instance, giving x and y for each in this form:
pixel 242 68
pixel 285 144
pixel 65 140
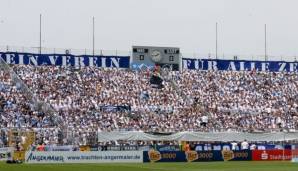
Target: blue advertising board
pixel 239 65
pixel 164 156
pixel 65 60
pixel 196 156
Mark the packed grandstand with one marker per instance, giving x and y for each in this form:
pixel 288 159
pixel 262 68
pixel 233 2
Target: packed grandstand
pixel 87 100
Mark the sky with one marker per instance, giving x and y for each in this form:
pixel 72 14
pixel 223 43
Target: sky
pixel 188 24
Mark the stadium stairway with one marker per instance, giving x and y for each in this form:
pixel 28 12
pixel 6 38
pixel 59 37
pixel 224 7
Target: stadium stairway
pixel 39 105
pixel 165 75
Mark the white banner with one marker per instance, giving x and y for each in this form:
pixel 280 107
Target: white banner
pixel 84 157
pixel 197 136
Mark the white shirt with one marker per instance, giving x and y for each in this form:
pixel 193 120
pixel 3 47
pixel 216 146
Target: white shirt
pixel 205 119
pixel 244 145
pixel 234 145
pixel 253 147
pixel 199 148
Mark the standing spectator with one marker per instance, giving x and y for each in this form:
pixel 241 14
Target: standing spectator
pixel 244 145
pixel 234 145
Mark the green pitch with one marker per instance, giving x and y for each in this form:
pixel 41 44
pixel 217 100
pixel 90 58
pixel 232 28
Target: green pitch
pixel 210 166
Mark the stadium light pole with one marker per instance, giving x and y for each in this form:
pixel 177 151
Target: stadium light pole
pixel 93 39
pixel 39 33
pixel 216 40
pixel 266 58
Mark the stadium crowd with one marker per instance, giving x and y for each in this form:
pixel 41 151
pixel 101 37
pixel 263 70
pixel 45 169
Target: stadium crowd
pixel 104 99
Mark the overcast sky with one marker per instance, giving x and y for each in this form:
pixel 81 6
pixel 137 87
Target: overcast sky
pixel 188 24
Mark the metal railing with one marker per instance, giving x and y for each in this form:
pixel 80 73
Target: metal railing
pixel 288 58
pixel 38 104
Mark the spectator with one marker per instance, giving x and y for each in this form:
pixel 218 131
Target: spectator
pixel 234 145
pixel 244 145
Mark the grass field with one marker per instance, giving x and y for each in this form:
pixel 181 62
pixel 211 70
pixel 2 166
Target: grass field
pixel 210 166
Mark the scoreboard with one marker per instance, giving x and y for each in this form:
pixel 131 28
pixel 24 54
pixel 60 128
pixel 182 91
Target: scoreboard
pixel 162 56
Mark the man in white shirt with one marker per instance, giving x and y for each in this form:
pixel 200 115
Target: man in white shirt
pixel 234 145
pixel 244 145
pixel 204 121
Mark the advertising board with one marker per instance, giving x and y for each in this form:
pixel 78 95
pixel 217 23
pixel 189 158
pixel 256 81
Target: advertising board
pixel 268 155
pixel 84 157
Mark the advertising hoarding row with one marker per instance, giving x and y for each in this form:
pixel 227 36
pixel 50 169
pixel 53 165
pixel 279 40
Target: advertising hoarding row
pixel 155 156
pixel 216 155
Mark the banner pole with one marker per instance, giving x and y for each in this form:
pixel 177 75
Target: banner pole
pixel 39 33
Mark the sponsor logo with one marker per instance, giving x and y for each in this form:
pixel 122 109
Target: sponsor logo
pixel 272 155
pixel 191 156
pixel 227 155
pixel 83 157
pixel 142 67
pixel 54 158
pixel 264 156
pixel 154 155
